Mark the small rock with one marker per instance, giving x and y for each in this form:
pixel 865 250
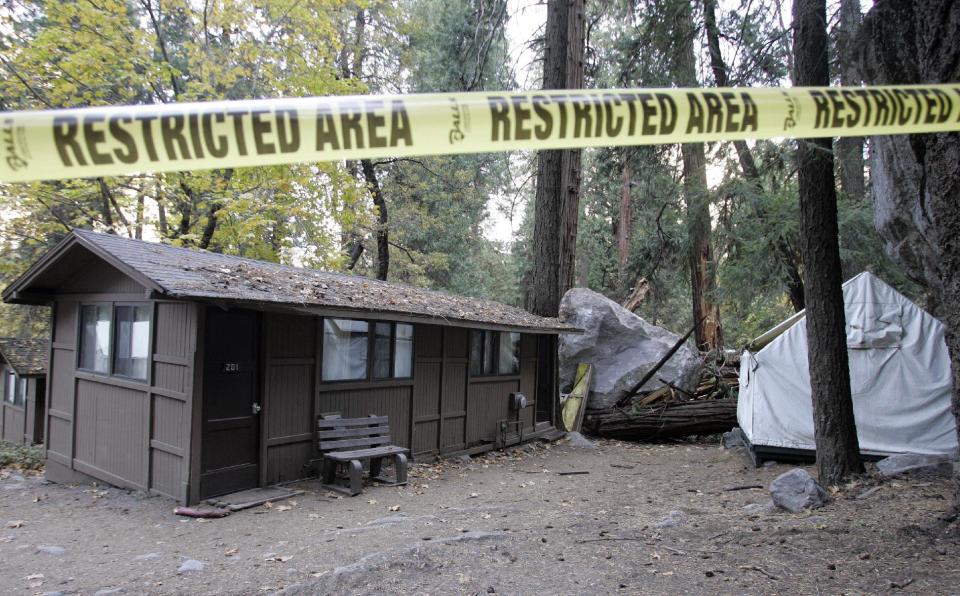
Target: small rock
pixel 491 590
pixel 463 459
pixel 733 438
pixel 674 518
pixel 56 593
pixel 190 565
pixel 915 463
pixel 769 463
pixel 796 490
pixel 868 492
pixel 147 557
pixel 760 508
pixel 108 591
pixel 51 550
pixel 580 442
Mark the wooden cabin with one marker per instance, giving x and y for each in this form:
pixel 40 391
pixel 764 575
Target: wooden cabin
pixel 193 374
pixel 23 371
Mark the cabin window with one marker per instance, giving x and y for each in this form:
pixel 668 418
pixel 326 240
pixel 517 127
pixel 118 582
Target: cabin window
pixel 345 349
pixel 349 345
pixel 403 351
pixel 95 338
pixel 115 340
pixel 494 353
pixel 9 387
pixel 21 398
pixel 132 352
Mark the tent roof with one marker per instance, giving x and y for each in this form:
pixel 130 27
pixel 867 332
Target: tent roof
pixel 865 279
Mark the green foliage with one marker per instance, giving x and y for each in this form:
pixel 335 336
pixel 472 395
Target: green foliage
pixel 21 457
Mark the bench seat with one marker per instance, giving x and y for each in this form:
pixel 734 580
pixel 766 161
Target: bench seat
pixel 349 442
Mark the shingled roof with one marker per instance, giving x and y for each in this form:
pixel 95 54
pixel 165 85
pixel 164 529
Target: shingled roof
pixel 191 273
pixel 26 356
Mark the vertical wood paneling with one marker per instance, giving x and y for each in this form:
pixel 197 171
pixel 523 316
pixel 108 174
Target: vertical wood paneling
pixel 288 400
pixel 99 277
pixel 109 430
pixel 487 404
pixel 59 432
pixel 168 421
pixel 14 423
pixel 427 341
pixel 426 389
pixel 393 402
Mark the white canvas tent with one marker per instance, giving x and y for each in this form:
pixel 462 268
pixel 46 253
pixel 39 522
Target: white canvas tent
pixel 899 376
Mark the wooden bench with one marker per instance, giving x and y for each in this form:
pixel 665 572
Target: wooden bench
pixel 350 441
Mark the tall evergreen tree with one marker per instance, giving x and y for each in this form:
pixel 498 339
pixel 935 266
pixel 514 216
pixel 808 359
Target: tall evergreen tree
pixel 835 431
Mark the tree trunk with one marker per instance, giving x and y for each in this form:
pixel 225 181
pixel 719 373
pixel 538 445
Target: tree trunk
pixel 916 178
pixel 558 172
pixel 663 421
pixel 383 238
pixel 709 335
pixel 835 431
pixel 747 164
pixel 850 149
pixel 625 223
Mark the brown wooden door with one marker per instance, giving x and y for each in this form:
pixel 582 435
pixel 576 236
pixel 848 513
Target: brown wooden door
pixel 231 429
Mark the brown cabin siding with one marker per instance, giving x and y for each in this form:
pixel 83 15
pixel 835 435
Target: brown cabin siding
pixel 148 436
pixel 129 433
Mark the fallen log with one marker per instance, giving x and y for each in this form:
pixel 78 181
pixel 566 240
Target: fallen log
pixel 663 421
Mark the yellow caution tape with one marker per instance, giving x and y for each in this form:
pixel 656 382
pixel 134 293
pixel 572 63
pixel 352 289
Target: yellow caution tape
pixel 109 141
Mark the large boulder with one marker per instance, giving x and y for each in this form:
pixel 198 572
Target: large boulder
pixel 622 348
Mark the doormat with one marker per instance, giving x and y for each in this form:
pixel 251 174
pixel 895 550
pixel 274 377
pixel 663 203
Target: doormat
pixel 253 497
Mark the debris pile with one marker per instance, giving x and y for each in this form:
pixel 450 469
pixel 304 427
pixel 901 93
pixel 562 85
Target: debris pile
pixel 671 412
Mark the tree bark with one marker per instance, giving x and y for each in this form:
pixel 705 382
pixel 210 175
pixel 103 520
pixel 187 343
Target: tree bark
pixel 383 233
pixel 625 223
pixel 835 431
pixel 747 163
pixel 709 335
pixel 850 149
pixel 663 421
pixel 916 179
pixel 558 172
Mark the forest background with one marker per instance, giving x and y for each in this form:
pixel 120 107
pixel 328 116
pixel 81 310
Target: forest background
pixel 465 223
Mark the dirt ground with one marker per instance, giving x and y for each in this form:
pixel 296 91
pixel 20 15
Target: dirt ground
pixel 644 519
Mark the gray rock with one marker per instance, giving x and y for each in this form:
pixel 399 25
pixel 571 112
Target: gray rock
pixel 108 591
pixel 915 463
pixel 580 442
pixel 760 508
pixel 147 557
pixel 56 593
pixel 51 550
pixel 190 565
pixel 869 492
pixel 733 438
pixel 622 348
pixel 674 518
pixel 463 459
pixel 796 490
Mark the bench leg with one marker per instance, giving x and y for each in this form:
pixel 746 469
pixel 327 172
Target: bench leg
pixel 400 467
pixel 328 471
pixel 376 465
pixel 356 477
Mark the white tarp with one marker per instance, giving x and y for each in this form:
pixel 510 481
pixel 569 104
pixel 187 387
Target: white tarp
pixel 899 377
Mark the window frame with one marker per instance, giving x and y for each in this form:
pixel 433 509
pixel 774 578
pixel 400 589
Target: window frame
pixel 111 364
pixel 494 353
pixel 370 377
pixel 10 394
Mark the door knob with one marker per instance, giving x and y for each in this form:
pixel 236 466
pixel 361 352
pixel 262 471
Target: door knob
pixel 256 408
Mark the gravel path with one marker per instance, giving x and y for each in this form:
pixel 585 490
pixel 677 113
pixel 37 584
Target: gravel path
pixel 645 519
